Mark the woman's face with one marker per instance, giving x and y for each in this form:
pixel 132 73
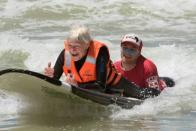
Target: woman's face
pixel 129 52
pixel 77 50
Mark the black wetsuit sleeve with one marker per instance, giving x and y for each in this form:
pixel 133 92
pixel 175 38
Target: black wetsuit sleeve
pixel 101 66
pixel 132 90
pixel 101 71
pixel 58 67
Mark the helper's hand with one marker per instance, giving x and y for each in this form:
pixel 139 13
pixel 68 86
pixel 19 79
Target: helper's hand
pixel 148 92
pixel 48 71
pixel 70 79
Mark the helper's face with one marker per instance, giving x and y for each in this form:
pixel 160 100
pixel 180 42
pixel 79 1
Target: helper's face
pixel 77 50
pixel 129 51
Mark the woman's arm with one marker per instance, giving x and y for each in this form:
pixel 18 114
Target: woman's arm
pixel 101 66
pixel 58 67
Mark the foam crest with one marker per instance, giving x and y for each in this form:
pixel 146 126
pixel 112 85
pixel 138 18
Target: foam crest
pixel 40 52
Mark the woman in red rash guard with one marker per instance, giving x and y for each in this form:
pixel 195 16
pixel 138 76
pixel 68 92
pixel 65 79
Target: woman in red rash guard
pixel 135 67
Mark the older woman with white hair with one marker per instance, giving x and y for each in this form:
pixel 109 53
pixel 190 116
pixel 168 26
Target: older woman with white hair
pixel 86 63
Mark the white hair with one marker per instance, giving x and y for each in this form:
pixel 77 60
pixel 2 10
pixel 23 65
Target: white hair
pixel 80 34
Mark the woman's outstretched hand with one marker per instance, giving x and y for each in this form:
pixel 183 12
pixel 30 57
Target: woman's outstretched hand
pixel 48 71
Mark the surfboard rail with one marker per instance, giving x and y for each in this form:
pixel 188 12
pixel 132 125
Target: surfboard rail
pixel 93 95
pixel 32 73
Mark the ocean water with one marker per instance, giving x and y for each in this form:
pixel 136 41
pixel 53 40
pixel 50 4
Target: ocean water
pixel 32 34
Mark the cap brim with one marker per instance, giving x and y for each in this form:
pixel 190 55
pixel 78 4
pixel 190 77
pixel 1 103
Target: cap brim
pixel 131 42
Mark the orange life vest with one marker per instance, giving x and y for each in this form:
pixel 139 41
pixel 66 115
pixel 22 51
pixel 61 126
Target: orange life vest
pixel 87 72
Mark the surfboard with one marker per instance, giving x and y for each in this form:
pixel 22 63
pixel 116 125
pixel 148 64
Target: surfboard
pixel 35 85
pixel 33 94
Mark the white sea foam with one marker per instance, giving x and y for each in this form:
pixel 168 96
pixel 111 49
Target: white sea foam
pixel 40 52
pixel 9 104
